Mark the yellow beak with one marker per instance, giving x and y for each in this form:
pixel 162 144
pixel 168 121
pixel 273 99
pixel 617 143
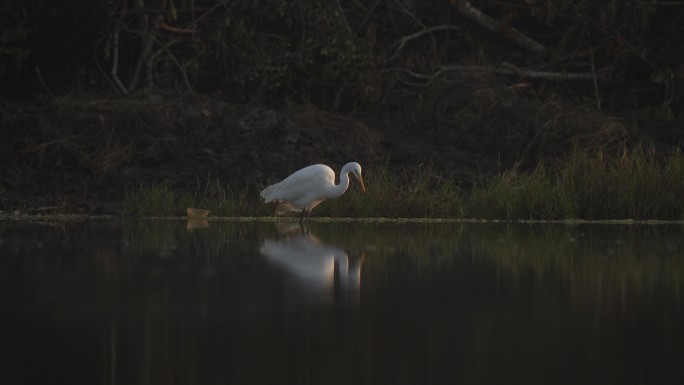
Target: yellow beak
pixel 363 188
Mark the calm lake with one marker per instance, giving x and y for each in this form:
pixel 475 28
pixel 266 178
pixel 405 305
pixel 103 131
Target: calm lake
pixel 166 302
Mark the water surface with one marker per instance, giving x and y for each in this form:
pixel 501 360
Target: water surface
pixel 106 302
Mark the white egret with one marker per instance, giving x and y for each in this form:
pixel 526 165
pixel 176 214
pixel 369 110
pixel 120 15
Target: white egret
pixel 310 186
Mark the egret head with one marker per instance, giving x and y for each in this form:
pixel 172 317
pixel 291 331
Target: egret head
pixel 355 169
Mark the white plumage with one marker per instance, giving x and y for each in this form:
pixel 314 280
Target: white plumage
pixel 308 187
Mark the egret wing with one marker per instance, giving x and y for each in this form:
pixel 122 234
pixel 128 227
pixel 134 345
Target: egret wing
pixel 302 186
pixel 265 193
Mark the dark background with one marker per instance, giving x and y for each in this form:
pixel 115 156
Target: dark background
pixel 98 94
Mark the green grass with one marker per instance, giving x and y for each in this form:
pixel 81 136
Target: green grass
pixel 149 200
pixel 160 200
pixel 517 195
pixel 641 185
pixel 415 193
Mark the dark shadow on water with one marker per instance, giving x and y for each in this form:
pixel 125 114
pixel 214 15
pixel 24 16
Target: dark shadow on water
pixel 144 302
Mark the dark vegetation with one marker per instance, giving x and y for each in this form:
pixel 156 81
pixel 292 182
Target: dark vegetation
pixel 101 96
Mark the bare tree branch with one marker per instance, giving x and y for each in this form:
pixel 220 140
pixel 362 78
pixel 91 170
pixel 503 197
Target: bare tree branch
pixel 147 36
pixel 365 19
pixel 402 42
pixel 165 26
pixel 342 15
pixel 466 9
pixel 505 69
pixel 596 90
pixel 165 48
pixel 112 49
pixel 411 15
pixel 509 69
pixel 115 62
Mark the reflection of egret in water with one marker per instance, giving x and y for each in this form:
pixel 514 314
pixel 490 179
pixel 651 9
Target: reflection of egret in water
pixel 320 269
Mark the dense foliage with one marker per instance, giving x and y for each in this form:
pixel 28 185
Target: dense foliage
pixel 349 55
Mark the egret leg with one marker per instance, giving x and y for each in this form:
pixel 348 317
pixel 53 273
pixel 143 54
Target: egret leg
pixel 303 227
pixel 303 219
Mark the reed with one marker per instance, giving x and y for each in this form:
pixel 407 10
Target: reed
pixel 639 185
pixel 420 192
pixel 521 195
pixel 160 200
pixel 221 199
pixel 148 199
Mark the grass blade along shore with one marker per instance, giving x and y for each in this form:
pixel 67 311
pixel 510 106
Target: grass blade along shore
pixel 640 185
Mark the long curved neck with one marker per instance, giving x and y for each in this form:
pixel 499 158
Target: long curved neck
pixel 339 189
